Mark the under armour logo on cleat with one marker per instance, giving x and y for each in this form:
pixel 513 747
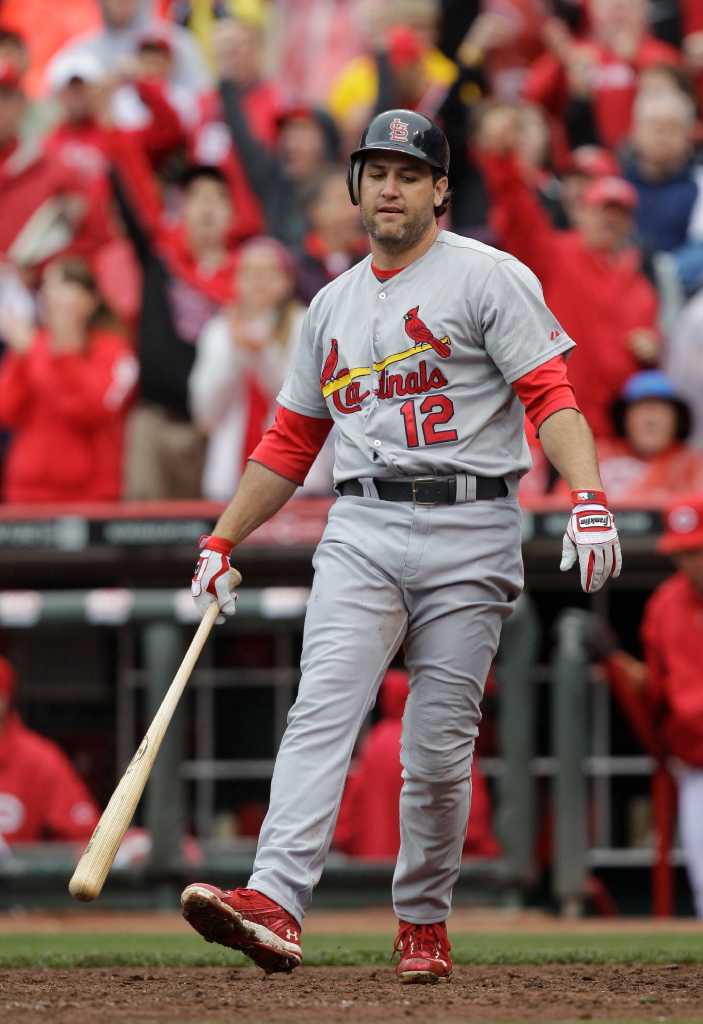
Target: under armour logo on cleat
pixel 291 936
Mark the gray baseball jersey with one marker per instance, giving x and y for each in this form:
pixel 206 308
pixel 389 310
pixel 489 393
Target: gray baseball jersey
pixel 416 374
pixel 416 371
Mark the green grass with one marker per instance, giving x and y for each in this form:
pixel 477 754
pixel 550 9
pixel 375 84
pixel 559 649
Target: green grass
pixel 106 950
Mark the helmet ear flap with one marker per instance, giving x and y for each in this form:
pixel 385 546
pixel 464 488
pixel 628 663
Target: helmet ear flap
pixel 354 178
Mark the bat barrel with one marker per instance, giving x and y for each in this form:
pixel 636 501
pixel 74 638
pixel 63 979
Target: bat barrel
pixel 93 867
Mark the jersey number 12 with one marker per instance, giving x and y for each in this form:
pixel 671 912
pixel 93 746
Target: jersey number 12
pixel 436 409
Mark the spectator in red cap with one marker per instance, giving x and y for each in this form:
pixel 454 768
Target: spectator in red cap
pixel 672 634
pixel 403 80
pixel 601 69
pixel 591 275
pixel 369 825
pixel 403 61
pixel 239 47
pixel 306 141
pixel 585 164
pixel 41 795
pixel 64 391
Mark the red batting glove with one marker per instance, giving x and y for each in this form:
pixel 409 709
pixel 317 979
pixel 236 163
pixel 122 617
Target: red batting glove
pixel 212 579
pixel 592 538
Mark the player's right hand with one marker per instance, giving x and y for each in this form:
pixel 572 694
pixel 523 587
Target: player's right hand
pixel 213 578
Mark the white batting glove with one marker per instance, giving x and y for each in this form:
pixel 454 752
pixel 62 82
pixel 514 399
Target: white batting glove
pixel 592 538
pixel 213 578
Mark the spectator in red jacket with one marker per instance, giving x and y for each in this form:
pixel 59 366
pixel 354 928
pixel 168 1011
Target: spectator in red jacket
pixel 591 275
pixel 82 142
pixel 188 270
pixel 240 46
pixel 44 208
pixel 672 633
pixel 126 24
pixel 41 795
pixel 242 357
pixel 601 69
pixel 306 140
pixel 64 390
pixel 86 96
pixel 335 241
pixel 368 825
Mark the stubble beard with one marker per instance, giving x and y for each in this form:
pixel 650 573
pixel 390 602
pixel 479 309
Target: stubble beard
pixel 399 237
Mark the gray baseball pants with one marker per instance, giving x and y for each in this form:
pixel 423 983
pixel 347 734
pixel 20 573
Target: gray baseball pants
pixel 440 580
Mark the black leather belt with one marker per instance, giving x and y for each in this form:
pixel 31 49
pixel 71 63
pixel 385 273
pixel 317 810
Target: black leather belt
pixel 428 490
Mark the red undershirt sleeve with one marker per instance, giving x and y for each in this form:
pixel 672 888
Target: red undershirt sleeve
pixel 545 390
pixel 291 444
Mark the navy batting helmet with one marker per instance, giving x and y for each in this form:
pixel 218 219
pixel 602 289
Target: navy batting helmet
pixel 399 131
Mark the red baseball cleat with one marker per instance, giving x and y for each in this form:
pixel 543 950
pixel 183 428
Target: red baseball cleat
pixel 424 953
pixel 247 920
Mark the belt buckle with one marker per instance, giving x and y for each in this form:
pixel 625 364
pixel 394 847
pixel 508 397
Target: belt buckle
pixel 416 490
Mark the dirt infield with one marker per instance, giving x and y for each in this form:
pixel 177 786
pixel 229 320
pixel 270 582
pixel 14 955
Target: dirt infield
pixel 354 994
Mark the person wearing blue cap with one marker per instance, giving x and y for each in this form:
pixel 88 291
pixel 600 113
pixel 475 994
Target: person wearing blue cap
pixel 649 459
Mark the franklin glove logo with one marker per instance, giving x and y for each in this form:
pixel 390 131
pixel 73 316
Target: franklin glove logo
pixel 594 520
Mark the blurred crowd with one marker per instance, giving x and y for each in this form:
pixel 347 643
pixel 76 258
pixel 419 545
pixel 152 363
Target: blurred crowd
pixel 172 195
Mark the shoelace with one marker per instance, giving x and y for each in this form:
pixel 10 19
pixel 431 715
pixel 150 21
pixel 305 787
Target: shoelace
pixel 422 939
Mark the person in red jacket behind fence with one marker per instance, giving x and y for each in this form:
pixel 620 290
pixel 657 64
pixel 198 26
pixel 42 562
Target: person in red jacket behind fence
pixel 591 275
pixel 672 633
pixel 64 389
pixel 368 825
pixel 41 795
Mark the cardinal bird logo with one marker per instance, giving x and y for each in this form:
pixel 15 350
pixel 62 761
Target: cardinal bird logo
pixel 330 363
pixel 416 329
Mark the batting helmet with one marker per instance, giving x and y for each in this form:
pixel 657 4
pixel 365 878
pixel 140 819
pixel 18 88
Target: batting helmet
pixel 399 131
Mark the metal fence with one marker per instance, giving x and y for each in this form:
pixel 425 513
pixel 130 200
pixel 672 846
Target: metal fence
pixel 150 630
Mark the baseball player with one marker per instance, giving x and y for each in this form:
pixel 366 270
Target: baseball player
pixel 425 356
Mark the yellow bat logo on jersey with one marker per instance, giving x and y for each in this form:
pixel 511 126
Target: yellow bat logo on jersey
pixel 416 330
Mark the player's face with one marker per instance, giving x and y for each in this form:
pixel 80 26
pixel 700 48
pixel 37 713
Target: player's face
pixel 398 197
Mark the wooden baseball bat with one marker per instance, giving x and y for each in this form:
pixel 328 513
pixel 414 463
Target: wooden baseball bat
pixel 93 867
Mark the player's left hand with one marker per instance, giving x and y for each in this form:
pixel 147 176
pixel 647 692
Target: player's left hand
pixel 592 538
